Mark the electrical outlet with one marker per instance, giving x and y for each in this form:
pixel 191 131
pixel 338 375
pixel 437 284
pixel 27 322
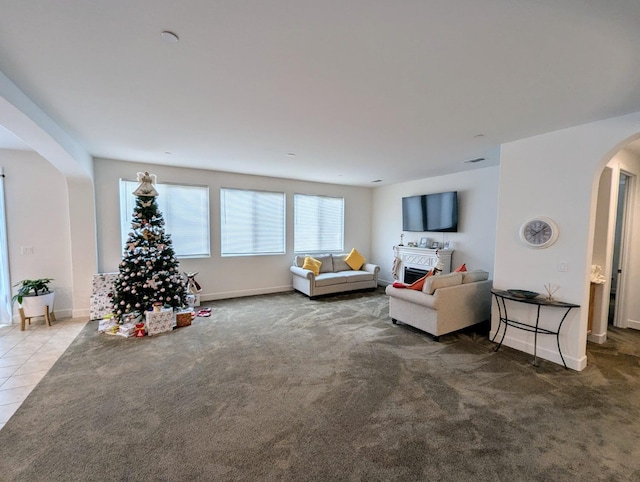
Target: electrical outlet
pixel 27 250
pixel 563 266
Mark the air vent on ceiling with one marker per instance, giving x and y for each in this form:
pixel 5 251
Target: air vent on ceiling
pixel 472 161
pixel 377 180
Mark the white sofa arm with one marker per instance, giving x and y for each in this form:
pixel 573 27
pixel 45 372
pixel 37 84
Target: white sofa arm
pixel 371 268
pixel 303 273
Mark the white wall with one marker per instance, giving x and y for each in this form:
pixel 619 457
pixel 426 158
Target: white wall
pixel 229 276
pixel 474 243
pixel 555 175
pixel 38 217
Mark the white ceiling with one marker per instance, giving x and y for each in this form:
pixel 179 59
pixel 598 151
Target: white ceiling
pixel 358 90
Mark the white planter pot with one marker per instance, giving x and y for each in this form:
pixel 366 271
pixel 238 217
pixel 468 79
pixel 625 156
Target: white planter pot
pixel 41 305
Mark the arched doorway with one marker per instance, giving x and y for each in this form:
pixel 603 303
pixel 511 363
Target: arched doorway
pixel 615 267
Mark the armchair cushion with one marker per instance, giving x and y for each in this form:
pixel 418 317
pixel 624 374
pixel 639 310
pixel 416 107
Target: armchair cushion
pixel 473 276
pixel 441 281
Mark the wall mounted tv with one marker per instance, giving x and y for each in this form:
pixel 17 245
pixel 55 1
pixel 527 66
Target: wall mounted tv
pixel 431 212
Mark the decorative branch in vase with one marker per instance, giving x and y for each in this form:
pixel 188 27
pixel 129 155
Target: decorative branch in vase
pixel 551 290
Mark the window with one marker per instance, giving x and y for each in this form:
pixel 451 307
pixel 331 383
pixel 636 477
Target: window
pixel 185 210
pixel 318 224
pixel 251 222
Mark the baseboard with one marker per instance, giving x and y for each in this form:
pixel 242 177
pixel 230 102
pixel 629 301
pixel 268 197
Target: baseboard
pixel 633 324
pixel 84 313
pixel 241 293
pixel 599 338
pixel 574 363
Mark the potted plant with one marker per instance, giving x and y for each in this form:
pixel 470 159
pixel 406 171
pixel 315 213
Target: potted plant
pixel 35 299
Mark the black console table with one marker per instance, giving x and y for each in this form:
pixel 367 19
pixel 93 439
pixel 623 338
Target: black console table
pixel 501 296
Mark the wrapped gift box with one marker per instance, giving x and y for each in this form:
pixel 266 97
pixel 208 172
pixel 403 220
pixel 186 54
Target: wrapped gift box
pixel 101 306
pixel 160 322
pixel 127 330
pixel 183 318
pixel 102 288
pixel 102 283
pixel 193 300
pixel 107 325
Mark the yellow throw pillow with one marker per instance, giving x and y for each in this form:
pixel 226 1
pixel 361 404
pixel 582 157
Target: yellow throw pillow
pixel 355 260
pixel 312 264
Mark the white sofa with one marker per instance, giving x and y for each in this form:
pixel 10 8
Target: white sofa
pixel 445 304
pixel 335 276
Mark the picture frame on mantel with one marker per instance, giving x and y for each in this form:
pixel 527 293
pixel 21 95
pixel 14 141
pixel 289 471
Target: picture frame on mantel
pixel 423 243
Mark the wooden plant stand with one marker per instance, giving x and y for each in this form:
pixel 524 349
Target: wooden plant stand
pixel 48 317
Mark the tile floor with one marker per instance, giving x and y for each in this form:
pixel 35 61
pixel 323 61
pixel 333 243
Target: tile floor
pixel 26 356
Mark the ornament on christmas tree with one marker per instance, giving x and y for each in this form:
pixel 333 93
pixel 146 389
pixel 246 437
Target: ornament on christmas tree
pixel 148 235
pixel 144 276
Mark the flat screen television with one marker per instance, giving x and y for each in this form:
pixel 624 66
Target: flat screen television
pixel 436 213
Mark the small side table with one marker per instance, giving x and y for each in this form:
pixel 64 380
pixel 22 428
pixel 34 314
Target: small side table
pixel 502 295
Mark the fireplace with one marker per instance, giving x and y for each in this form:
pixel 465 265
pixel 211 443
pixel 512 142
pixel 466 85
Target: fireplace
pixel 413 274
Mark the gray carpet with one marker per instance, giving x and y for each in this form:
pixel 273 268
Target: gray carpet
pixel 281 387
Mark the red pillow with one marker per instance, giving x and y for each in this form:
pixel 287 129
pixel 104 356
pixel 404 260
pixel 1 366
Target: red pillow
pixel 461 268
pixel 398 284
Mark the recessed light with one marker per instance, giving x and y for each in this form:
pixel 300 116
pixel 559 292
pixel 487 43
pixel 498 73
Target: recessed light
pixel 377 180
pixel 471 161
pixel 477 136
pixel 291 154
pixel 168 153
pixel 169 37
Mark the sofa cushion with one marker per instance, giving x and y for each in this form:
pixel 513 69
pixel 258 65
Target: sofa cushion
pixel 355 276
pixel 327 263
pixel 355 259
pixel 325 259
pixel 339 264
pixel 312 264
pixel 328 279
pixel 475 275
pixel 441 281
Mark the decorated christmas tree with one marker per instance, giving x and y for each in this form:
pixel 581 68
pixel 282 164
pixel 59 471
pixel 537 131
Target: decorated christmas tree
pixel 148 273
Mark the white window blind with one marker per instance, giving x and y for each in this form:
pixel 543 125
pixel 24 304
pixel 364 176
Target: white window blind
pixel 318 223
pixel 251 222
pixel 185 210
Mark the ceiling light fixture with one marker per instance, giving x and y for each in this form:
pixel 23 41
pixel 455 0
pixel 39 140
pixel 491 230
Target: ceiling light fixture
pixel 169 37
pixel 471 161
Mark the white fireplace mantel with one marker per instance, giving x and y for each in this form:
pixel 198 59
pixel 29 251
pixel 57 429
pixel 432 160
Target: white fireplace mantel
pixel 421 258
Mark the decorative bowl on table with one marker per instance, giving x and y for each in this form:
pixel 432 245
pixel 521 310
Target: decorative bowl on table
pixel 523 293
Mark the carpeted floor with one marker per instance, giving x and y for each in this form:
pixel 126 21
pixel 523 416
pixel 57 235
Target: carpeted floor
pixel 280 387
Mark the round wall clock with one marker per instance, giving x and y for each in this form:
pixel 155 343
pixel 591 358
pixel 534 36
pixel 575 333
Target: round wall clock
pixel 539 232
